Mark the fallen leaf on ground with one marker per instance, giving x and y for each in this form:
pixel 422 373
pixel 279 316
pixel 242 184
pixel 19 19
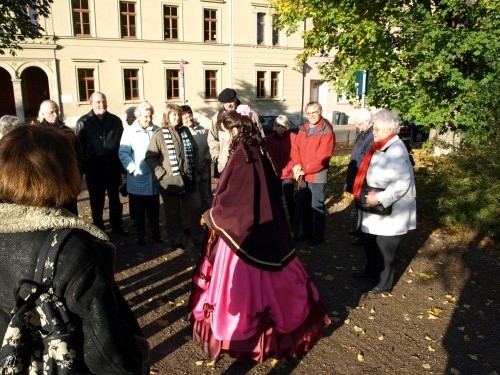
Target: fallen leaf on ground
pixel 472 356
pixel 435 311
pixel 359 329
pixel 361 357
pixel 431 349
pixel 381 337
pixel 466 338
pixel 425 276
pixel 426 365
pixel 328 278
pixel 211 363
pixel 198 363
pixel 274 362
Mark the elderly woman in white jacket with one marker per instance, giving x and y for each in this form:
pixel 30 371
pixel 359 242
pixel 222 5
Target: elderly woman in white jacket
pixel 386 166
pixel 144 196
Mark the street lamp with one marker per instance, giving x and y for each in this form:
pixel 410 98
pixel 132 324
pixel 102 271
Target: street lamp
pixel 181 72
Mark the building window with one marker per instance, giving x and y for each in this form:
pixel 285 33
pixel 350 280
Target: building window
pixel 276 32
pixel 172 84
pixel 275 81
pixel 128 19
pixel 81 17
pixel 131 84
pixel 260 27
pixel 30 11
pixel 261 85
pixel 210 84
pixel 210 25
pixel 86 84
pixel 170 22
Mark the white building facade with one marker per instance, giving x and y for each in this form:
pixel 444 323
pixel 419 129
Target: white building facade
pixel 177 51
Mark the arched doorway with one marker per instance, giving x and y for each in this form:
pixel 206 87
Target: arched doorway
pixel 7 102
pixel 35 88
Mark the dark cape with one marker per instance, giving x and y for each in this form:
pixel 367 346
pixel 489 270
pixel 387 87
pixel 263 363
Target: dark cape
pixel 247 211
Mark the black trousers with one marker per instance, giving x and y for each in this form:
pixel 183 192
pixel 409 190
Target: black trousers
pixel 98 185
pixel 146 205
pixel 380 257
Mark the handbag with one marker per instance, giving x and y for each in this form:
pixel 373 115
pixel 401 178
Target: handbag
pixel 203 273
pixel 42 333
pixel 172 185
pixel 378 209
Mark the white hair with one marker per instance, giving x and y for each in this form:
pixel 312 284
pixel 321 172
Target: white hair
pixel 44 106
pixel 387 119
pixel 143 107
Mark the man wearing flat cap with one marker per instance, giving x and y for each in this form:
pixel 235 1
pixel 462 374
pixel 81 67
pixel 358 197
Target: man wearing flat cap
pixel 218 137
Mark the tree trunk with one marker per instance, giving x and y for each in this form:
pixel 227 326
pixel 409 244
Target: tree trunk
pixel 444 142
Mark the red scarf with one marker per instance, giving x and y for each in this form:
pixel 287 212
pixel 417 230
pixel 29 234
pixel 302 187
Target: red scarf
pixel 363 168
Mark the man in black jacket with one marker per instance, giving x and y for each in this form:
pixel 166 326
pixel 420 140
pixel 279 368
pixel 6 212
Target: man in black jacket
pixel 100 132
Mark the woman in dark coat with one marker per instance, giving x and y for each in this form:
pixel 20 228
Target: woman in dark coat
pixel 35 181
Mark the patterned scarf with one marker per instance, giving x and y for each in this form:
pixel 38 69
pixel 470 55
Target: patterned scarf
pixel 190 176
pixel 172 156
pixel 188 150
pixel 363 168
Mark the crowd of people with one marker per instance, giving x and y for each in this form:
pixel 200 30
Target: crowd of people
pixel 251 297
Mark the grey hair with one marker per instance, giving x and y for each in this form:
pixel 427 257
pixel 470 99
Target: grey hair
pixel 143 107
pixel 8 123
pixel 314 104
pixel 43 107
pixel 387 119
pixel 282 120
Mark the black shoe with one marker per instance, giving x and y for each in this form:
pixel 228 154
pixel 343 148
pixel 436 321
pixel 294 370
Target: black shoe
pixel 358 242
pixel 361 275
pixel 141 241
pixel 377 290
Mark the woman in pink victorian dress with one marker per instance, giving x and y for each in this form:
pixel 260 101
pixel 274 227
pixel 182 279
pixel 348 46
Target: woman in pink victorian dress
pixel 251 297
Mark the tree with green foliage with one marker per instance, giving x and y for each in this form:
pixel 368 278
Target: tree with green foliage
pixel 435 62
pixel 18 22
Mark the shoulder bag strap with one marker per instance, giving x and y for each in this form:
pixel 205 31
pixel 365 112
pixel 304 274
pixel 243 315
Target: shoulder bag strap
pixel 47 260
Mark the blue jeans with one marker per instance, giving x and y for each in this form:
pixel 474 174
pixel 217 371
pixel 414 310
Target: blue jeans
pixel 310 211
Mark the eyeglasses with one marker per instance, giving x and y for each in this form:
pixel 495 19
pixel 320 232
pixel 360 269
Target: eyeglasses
pixel 312 113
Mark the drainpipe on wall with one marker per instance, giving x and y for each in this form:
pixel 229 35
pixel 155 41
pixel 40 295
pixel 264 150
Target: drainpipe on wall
pixel 231 44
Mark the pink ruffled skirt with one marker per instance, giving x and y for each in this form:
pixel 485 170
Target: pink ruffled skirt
pixel 247 312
